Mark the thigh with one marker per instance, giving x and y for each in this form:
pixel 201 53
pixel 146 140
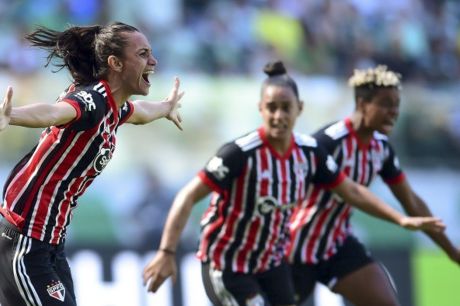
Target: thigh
pixel 9 292
pixel 277 285
pixel 304 277
pixel 368 285
pixel 36 276
pixel 226 288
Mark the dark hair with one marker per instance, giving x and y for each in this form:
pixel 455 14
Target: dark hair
pixel 368 91
pixel 277 75
pixel 83 50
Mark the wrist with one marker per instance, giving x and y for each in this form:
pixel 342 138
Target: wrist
pixel 167 251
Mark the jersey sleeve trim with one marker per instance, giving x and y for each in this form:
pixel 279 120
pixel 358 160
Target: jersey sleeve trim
pixel 204 178
pixel 339 179
pixel 75 105
pixel 396 180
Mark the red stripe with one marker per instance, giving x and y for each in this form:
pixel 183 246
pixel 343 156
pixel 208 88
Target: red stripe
pixel 316 236
pixel 338 229
pixel 235 208
pixel 264 167
pixel 247 246
pixel 268 251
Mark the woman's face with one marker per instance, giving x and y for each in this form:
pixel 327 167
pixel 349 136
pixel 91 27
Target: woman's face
pixel 279 108
pixel 382 111
pixel 138 63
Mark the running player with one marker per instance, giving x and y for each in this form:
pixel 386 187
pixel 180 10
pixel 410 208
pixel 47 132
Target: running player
pixel 108 65
pixel 256 181
pixel 323 247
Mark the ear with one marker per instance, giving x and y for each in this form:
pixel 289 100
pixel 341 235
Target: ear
pixel 115 63
pixel 301 103
pixel 259 106
pixel 360 103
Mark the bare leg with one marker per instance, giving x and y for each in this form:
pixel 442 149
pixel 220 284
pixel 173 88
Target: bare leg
pixel 367 286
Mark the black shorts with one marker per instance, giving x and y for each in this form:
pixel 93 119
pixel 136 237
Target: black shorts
pixel 350 257
pixel 226 288
pixel 32 272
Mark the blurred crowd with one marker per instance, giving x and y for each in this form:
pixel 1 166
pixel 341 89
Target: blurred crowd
pixel 419 38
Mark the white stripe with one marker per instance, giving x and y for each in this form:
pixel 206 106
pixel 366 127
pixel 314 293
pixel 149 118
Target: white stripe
pixel 249 141
pixel 23 281
pixel 221 292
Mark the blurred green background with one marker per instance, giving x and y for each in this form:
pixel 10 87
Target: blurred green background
pixel 218 49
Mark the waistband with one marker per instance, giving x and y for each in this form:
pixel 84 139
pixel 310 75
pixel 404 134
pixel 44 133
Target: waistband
pixel 6 228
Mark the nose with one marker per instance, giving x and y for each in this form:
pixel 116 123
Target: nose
pixel 152 60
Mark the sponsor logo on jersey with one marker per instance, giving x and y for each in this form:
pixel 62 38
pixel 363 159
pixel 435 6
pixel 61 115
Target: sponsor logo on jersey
pixel 56 290
pixel 217 168
pixel 266 205
pixel 102 159
pixel 87 99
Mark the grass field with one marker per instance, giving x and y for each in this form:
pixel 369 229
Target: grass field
pixel 436 279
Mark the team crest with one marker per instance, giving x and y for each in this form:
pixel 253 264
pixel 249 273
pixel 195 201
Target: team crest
pixel 330 164
pixel 102 160
pixel 56 290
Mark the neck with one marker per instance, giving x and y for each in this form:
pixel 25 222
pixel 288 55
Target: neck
pixel 281 146
pixel 363 133
pixel 117 93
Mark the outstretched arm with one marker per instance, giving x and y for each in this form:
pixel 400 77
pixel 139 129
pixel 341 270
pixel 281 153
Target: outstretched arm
pixel 414 206
pixel 360 197
pixel 146 111
pixel 163 264
pixel 36 115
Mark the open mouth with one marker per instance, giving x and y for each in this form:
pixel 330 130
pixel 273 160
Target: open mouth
pixel 145 76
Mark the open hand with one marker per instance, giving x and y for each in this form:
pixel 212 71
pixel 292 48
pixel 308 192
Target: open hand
pixel 5 109
pixel 161 267
pixel 173 100
pixel 423 223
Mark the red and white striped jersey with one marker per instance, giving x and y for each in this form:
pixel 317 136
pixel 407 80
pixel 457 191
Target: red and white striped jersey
pixel 321 226
pixel 246 227
pixel 42 189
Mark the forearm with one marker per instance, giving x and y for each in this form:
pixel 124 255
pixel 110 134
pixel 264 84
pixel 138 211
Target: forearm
pixel 366 201
pixel 176 221
pixel 145 111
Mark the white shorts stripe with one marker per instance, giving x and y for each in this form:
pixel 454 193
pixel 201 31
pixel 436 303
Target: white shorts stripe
pixel 222 293
pixel 23 282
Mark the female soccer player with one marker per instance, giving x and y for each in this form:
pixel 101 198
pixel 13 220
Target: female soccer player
pixel 256 181
pixel 323 247
pixel 108 65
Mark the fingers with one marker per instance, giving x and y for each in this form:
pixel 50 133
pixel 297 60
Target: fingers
pixel 8 95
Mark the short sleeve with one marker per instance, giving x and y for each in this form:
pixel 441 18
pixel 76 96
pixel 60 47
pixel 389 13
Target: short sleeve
pixel 223 167
pixel 391 171
pixel 90 106
pixel 327 172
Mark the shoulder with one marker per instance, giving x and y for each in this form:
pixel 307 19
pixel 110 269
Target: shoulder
pixel 303 140
pixel 334 131
pixel 89 95
pixel 248 142
pixel 380 136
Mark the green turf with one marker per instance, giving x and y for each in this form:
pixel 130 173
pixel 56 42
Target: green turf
pixel 436 280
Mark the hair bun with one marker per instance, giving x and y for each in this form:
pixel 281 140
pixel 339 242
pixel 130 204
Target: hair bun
pixel 275 68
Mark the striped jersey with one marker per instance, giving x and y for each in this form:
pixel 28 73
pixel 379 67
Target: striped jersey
pixel 321 226
pixel 246 227
pixel 43 188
